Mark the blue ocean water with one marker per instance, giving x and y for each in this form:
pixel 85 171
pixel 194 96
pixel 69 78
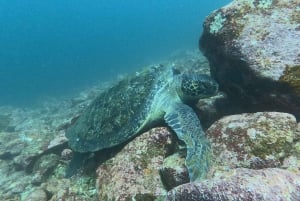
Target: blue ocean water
pixel 55 47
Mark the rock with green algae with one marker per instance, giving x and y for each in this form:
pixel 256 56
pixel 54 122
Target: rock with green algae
pixel 133 174
pixel 242 184
pixel 253 50
pixel 297 144
pixel 253 140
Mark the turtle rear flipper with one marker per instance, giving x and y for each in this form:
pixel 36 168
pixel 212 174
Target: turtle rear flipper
pixel 76 163
pixel 183 120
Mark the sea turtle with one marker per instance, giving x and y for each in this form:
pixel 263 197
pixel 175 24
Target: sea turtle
pixel 139 102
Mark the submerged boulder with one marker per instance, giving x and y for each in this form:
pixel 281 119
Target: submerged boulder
pixel 242 184
pixel 253 140
pixel 253 50
pixel 133 174
pixel 174 171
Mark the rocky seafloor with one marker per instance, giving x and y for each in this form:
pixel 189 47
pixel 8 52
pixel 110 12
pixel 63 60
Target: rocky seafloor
pixel 256 156
pixel 34 152
pixel 252 50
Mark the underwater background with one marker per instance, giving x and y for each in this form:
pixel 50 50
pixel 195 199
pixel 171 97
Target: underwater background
pixel 55 48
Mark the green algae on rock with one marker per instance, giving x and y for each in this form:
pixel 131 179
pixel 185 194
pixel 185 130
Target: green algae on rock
pixel 255 55
pixel 292 77
pixel 253 140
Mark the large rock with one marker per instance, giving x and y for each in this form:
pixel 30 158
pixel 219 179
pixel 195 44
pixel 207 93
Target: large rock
pixel 133 174
pixel 242 184
pixel 253 140
pixel 174 171
pixel 253 50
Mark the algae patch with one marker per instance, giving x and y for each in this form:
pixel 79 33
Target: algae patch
pixel 217 23
pixel 292 77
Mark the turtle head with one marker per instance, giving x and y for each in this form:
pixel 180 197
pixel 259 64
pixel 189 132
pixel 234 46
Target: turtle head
pixel 192 87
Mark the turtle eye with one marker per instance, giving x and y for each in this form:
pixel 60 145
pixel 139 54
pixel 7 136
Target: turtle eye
pixel 205 85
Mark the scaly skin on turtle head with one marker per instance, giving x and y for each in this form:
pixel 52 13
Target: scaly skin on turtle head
pixel 192 87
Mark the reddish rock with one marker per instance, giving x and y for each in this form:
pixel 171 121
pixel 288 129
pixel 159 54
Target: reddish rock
pixel 253 50
pixel 242 184
pixel 133 174
pixel 174 171
pixel 253 140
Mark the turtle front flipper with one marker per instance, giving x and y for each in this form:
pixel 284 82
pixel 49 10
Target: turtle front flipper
pixel 183 120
